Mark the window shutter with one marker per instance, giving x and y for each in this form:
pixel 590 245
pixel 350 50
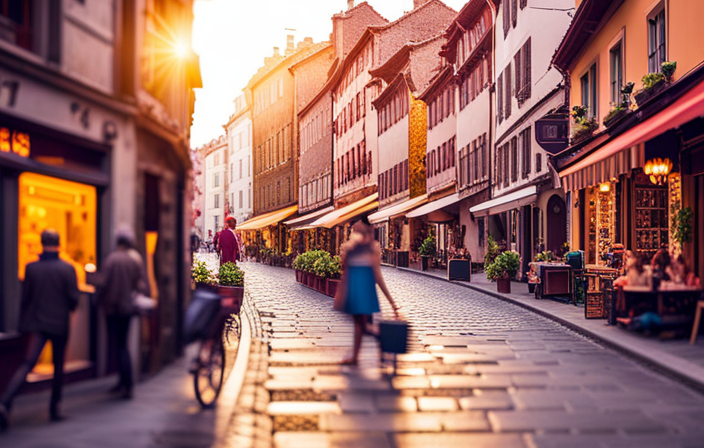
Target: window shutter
pixel 514 159
pixel 526 70
pixel 500 97
pixel 369 159
pixel 514 12
pixel 507 93
pixel 484 157
pixel 538 163
pixel 518 87
pixel 506 164
pixel 507 18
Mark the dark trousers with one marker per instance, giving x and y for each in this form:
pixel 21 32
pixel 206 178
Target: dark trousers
pixel 34 349
pixel 120 327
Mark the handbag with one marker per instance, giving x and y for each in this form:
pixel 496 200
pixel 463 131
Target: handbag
pixel 142 302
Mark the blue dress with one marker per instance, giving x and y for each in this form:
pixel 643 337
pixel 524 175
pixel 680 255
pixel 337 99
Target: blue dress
pixel 361 291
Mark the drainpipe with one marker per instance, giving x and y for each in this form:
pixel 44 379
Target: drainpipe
pixel 491 108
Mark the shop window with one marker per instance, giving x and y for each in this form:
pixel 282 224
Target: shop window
pixel 656 41
pixel 616 75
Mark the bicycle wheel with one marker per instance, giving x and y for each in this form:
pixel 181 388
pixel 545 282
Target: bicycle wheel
pixel 207 380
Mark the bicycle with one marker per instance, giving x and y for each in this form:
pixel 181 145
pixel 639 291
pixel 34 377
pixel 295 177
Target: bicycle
pixel 209 372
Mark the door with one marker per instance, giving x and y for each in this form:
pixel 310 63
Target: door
pixel 557 224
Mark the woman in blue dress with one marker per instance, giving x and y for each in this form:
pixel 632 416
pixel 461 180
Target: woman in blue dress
pixel 361 264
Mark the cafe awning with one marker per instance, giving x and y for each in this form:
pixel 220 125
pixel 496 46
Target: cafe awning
pixel 434 206
pixel 398 209
pixel 308 217
pixel 506 202
pixel 268 219
pixel 346 213
pixel 603 163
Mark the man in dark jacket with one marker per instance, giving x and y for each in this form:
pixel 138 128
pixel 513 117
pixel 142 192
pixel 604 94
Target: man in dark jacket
pixel 49 294
pixel 122 278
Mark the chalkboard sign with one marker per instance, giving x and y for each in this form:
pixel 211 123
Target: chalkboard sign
pixel 459 270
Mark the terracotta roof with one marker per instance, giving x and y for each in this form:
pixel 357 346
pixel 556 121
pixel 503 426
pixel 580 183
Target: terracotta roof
pixel 345 14
pixel 396 63
pixel 319 50
pixel 409 14
pixel 289 61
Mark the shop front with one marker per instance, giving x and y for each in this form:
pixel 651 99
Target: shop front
pixel 50 179
pixel 396 233
pixel 266 237
pixel 439 218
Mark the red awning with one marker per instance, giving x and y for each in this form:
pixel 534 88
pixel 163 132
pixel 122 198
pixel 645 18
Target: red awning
pixel 685 109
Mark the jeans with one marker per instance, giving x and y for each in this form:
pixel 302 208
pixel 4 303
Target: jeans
pixel 120 327
pixel 34 349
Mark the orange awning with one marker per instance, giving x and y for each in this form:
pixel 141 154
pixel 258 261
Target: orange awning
pixel 268 219
pixel 398 209
pixel 346 213
pixel 685 109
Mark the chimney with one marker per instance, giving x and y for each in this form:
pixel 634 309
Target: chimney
pixel 276 52
pixel 417 3
pixel 350 4
pixel 290 48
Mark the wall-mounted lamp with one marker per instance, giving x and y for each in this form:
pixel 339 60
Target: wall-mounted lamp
pixel 658 169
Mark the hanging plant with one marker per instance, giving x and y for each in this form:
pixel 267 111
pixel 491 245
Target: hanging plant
pixel 682 225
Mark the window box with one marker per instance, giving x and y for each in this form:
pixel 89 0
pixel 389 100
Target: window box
pixel 642 96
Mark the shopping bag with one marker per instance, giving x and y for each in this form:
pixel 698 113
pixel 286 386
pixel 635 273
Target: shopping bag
pixel 393 336
pixel 201 314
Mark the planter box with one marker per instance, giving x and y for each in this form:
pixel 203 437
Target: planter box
pixel 232 298
pixel 321 285
pixel 503 285
pixel 615 117
pixel 333 284
pixel 643 96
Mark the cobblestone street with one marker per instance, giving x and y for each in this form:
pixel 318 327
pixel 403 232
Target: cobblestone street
pixel 483 373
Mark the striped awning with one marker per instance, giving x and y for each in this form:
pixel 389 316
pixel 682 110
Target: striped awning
pixel 609 168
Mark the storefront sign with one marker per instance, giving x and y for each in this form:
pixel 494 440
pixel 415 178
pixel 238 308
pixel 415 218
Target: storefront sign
pixel 552 131
pixel 14 141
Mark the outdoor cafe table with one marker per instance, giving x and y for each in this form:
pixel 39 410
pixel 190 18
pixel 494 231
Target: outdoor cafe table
pixel 673 302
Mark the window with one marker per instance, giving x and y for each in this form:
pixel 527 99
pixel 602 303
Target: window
pixel 522 61
pixel 514 12
pixel 499 165
pixel 484 156
pixel 216 180
pixel 588 83
pixel 526 152
pixel 506 153
pixel 241 198
pixel 216 159
pixel 616 73
pixel 514 159
pixel 506 11
pixel 240 169
pixel 656 42
pixel 216 201
pixel 216 222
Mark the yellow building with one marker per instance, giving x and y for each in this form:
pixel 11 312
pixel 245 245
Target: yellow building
pixel 617 134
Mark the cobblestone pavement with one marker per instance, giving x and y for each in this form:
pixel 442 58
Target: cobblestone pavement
pixel 483 373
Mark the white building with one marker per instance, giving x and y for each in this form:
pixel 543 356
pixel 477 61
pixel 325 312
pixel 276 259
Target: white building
pixel 527 88
pixel 239 161
pixel 215 154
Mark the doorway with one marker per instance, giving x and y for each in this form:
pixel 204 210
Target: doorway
pixel 557 224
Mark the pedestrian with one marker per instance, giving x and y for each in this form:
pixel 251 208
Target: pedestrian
pixel 209 241
pixel 229 245
pixel 195 241
pixel 49 294
pixel 361 272
pixel 122 279
pixel 216 240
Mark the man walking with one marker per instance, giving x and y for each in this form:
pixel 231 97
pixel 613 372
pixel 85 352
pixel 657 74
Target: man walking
pixel 123 277
pixel 49 294
pixel 229 242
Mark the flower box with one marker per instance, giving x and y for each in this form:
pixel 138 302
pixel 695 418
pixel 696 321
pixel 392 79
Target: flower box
pixel 616 116
pixel 644 95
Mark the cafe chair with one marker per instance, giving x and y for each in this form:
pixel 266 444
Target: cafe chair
pixel 697 319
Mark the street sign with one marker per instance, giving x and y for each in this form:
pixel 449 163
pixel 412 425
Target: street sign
pixel 552 131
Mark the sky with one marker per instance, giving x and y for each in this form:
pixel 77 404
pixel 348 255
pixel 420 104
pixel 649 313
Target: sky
pixel 232 38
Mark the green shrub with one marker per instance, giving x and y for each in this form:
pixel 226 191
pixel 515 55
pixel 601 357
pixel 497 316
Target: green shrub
pixel 506 265
pixel 231 275
pixel 327 266
pixel 201 274
pixel 651 79
pixel 668 68
pixel 427 248
pixel 492 251
pixel 306 262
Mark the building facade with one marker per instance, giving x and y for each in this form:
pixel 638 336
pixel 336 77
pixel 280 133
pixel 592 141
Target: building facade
pixel 612 198
pixel 94 138
pixel 526 213
pixel 239 160
pixel 215 159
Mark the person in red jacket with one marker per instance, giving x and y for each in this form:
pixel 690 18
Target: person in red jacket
pixel 229 242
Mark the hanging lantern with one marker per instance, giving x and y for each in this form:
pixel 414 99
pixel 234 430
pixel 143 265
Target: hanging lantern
pixel 658 169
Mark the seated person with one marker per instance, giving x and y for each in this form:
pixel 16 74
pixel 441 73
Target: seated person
pixel 681 274
pixel 638 273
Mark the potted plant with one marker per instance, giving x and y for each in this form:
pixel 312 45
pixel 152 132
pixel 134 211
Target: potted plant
pixel 655 82
pixel 426 251
pixel 231 283
pixel 202 276
pixel 583 126
pixel 682 225
pixel 503 269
